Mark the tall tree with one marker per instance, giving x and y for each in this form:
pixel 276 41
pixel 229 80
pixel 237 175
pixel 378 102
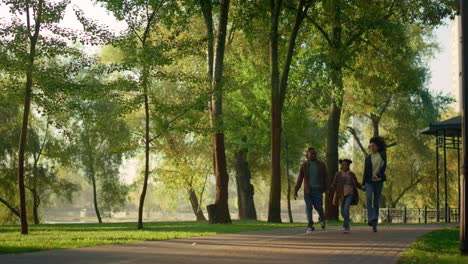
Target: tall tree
pixel 215 74
pixel 342 25
pixel 102 140
pixel 279 83
pixel 145 56
pixel 29 40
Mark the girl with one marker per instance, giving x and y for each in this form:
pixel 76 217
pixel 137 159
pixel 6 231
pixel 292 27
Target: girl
pixel 345 186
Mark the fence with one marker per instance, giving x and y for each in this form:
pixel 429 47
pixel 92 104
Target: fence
pixel 416 215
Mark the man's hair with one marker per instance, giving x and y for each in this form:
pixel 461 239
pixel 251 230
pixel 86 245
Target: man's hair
pixel 310 149
pixel 379 142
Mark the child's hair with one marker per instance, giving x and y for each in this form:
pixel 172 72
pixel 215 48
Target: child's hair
pixel 345 160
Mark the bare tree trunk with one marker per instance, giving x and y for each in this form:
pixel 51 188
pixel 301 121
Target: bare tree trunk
pixel 196 205
pixel 215 72
pixel 331 211
pixel 278 95
pixel 375 124
pixel 245 190
pixel 36 203
pixel 96 208
pixel 147 157
pixel 334 118
pixel 289 181
pixel 274 206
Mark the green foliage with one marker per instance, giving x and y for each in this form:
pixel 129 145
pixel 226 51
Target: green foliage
pixel 441 246
pixel 102 141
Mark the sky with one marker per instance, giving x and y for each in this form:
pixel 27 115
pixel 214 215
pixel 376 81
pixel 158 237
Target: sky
pixel 441 65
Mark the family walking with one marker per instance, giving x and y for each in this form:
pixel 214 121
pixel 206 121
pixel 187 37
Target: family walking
pixel 345 186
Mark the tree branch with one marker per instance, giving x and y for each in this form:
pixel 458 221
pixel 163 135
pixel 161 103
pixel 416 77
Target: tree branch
pixel 319 28
pixel 356 137
pixel 376 22
pixel 12 209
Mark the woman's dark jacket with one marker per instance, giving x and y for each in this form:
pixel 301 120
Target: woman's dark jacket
pixel 368 168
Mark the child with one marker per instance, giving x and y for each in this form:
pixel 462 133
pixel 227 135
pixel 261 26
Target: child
pixel 345 186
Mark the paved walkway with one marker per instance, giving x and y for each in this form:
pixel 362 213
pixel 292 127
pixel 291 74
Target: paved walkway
pixel 286 246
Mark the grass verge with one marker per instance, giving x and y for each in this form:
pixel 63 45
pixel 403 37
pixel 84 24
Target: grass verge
pixel 440 246
pixel 54 236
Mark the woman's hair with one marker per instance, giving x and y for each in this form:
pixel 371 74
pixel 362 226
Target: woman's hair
pixel 379 142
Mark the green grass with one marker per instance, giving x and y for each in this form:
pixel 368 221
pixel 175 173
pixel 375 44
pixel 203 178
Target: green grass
pixel 440 246
pixel 44 237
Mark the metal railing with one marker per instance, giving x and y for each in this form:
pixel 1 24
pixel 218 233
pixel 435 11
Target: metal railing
pixel 406 215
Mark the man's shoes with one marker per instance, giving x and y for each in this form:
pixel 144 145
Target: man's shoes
pixel 346 230
pixel 310 230
pixel 323 225
pixel 374 229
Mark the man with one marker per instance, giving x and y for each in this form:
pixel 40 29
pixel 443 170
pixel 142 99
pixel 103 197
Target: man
pixel 314 173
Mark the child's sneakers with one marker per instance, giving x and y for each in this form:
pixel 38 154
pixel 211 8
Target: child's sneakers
pixel 310 230
pixel 323 225
pixel 346 230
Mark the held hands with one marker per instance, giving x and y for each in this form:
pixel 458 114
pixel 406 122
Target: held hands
pixel 295 195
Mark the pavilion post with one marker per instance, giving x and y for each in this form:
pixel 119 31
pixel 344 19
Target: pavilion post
pixel 458 174
pixel 446 220
pixel 464 75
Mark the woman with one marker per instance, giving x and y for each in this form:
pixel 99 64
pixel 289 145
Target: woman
pixel 345 186
pixel 374 177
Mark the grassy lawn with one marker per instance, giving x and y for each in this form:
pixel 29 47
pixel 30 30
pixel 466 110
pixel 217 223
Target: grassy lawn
pixel 44 237
pixel 441 246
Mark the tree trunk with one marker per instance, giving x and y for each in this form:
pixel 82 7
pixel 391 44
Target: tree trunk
pixel 278 95
pixel 274 207
pixel 331 211
pixel 96 208
pixel 196 205
pixel 245 190
pixel 289 182
pixel 147 155
pixel 334 118
pixel 221 213
pixel 22 145
pixel 36 203
pixel 375 125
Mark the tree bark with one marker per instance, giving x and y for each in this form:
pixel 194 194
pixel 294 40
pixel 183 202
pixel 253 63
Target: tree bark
pixel 245 190
pixel 215 74
pixel 334 118
pixel 278 95
pixel 96 208
pixel 375 124
pixel 289 182
pixel 36 203
pixel 331 211
pixel 274 207
pixel 147 157
pixel 196 205
pixel 26 110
